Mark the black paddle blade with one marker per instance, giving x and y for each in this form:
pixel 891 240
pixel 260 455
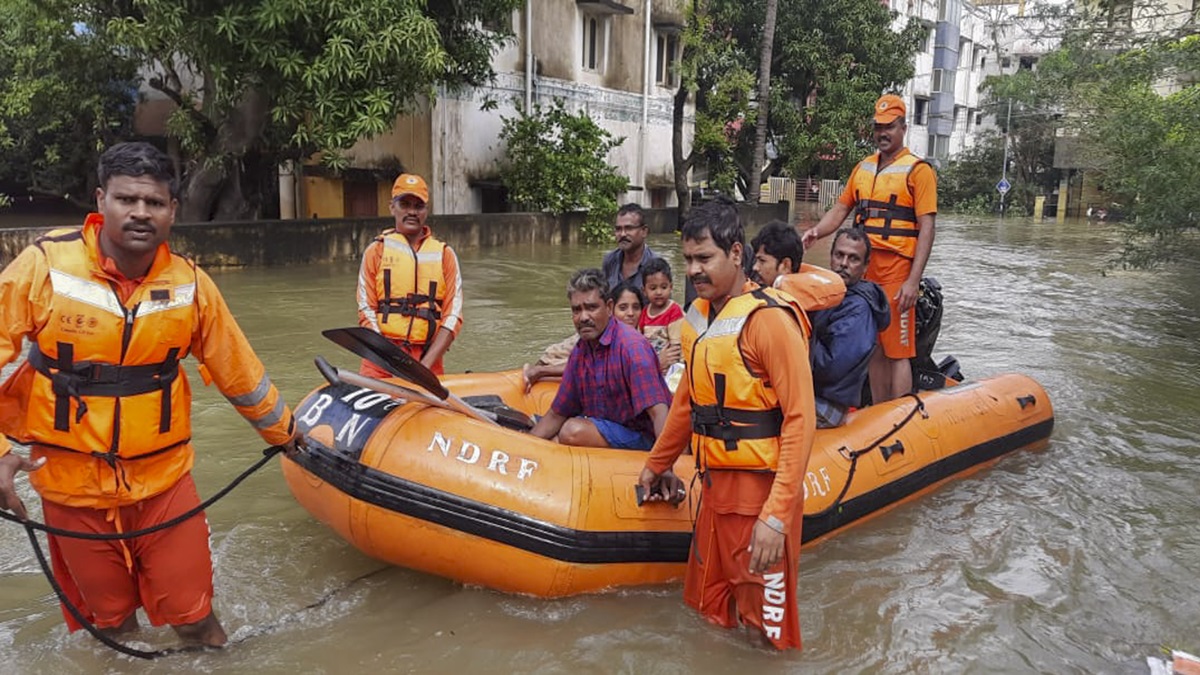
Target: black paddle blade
pixel 378 350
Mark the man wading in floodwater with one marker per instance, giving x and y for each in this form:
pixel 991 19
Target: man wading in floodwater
pixel 106 408
pixel 746 403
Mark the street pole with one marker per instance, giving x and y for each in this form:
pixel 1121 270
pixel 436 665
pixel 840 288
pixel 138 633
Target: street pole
pixel 1004 168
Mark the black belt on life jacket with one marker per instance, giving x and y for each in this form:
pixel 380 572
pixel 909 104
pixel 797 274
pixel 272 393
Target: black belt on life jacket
pixel 72 379
pixel 416 305
pixel 733 424
pixel 889 212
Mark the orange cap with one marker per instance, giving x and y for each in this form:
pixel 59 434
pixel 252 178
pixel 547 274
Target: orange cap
pixel 888 108
pixel 410 184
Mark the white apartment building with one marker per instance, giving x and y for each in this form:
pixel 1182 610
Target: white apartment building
pixel 945 107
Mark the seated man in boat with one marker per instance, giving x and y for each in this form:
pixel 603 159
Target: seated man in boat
pixel 611 394
pixel 409 285
pixel 777 252
pixel 627 300
pixel 844 337
pixel 778 263
pixel 746 404
pixel 627 262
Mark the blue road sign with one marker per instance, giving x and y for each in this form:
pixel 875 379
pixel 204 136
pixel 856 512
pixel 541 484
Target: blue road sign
pixel 1003 186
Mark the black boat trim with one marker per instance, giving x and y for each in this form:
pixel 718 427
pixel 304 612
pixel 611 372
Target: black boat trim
pixel 375 487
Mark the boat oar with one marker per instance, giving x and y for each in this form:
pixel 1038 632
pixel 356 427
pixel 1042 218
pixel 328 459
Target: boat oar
pixel 379 350
pixel 333 375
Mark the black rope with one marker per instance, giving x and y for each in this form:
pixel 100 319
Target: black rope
pixel 855 454
pixel 88 625
pixel 31 527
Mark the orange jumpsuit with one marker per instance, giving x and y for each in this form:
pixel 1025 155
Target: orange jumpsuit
pixel 718 583
pixel 450 307
pixel 110 485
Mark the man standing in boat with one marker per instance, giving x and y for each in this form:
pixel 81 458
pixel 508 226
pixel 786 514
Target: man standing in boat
pixel 746 403
pixel 894 197
pixel 612 394
pixel 105 406
pixel 630 257
pixel 409 285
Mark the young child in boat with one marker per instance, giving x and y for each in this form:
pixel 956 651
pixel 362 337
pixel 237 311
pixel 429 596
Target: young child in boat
pixel 661 320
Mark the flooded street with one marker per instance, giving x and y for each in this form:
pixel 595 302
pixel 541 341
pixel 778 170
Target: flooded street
pixel 1082 558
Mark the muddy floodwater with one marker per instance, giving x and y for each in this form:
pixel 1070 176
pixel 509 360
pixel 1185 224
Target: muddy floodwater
pixel 1082 558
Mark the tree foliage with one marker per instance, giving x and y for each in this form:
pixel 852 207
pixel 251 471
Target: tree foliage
pixel 557 161
pixel 830 61
pixel 1141 127
pixel 1038 99
pixel 713 70
pixel 1124 90
pixel 967 184
pixel 65 94
pixel 258 82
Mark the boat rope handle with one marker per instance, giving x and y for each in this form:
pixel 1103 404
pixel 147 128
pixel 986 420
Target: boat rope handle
pixel 853 455
pixel 31 526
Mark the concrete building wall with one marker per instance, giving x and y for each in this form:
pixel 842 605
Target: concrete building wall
pixel 454 143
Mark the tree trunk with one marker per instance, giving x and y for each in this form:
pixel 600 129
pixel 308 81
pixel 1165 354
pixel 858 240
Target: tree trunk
pixel 682 192
pixel 764 96
pixel 217 185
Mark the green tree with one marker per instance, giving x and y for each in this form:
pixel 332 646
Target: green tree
pixel 259 82
pixel 558 162
pixel 967 184
pixel 762 100
pixel 65 94
pixel 713 73
pixel 1038 99
pixel 1140 125
pixel 831 61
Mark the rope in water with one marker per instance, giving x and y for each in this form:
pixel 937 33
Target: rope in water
pixel 32 526
pixel 855 454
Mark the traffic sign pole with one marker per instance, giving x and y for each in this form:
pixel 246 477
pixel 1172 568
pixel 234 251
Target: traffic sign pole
pixel 1004 168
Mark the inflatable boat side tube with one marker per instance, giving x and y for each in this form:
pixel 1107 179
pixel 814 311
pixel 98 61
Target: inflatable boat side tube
pixel 343 471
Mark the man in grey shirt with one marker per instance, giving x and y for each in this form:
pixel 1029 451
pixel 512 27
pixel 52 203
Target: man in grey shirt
pixel 626 262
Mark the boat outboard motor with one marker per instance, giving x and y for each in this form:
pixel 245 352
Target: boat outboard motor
pixel 926 373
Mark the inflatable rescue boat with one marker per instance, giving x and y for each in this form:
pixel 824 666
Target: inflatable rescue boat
pixel 436 490
pixel 425 478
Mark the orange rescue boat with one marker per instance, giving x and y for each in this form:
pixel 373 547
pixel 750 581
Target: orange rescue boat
pixel 439 491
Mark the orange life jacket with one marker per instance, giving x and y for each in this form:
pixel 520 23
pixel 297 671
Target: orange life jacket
pixel 813 287
pixel 107 381
pixel 410 287
pixel 736 417
pixel 884 205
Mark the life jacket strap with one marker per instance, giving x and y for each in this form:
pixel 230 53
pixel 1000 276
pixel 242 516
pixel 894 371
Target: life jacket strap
pixel 733 424
pixel 417 306
pixel 71 379
pixel 889 212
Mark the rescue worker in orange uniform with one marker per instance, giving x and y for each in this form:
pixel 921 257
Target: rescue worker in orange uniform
pixel 409 285
pixel 746 403
pixel 893 194
pixel 105 406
